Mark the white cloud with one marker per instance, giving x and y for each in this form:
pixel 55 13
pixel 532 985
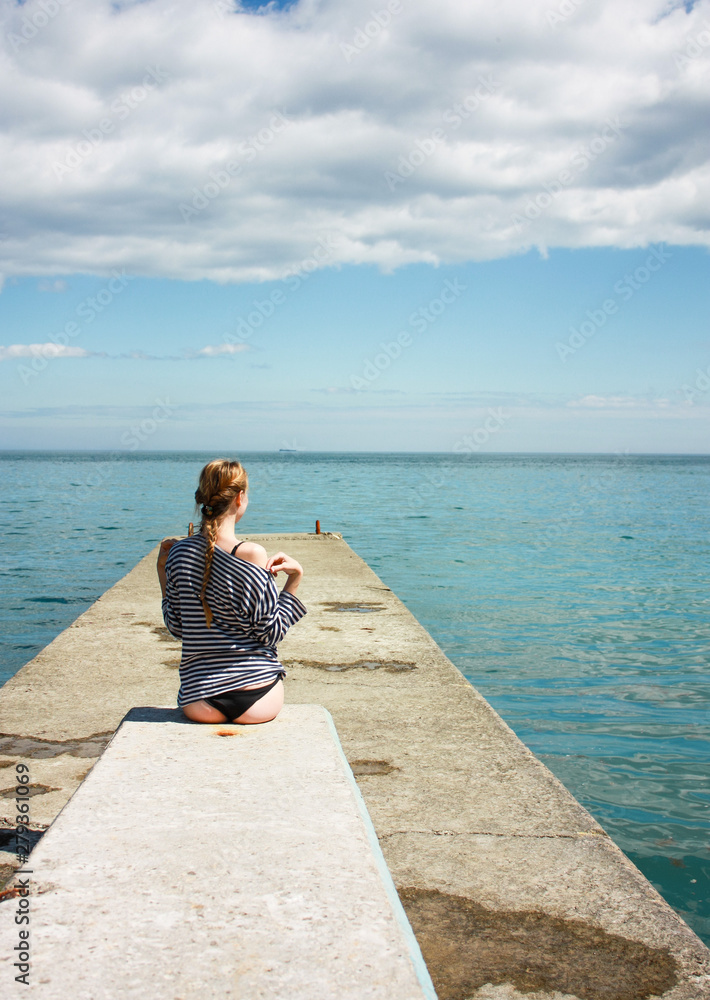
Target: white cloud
pixel 592 402
pixel 47 351
pixel 462 130
pixel 58 286
pixel 213 350
pixel 51 350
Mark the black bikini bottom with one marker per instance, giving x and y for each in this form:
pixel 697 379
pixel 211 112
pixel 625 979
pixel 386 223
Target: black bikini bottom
pixel 232 704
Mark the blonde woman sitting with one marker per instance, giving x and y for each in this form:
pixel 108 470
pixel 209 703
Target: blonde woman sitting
pixel 220 598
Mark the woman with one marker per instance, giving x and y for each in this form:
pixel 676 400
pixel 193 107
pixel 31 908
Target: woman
pixel 226 609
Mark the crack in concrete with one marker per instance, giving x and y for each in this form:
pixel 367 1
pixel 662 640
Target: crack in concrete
pixel 488 833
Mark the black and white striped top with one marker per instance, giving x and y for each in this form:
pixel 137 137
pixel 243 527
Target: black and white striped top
pixel 250 617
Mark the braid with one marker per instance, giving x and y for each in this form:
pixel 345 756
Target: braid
pixel 220 482
pixel 211 534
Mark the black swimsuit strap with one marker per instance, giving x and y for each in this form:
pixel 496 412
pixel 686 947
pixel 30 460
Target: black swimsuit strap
pixel 237 546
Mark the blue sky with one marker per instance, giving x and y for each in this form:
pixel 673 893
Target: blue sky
pixel 506 260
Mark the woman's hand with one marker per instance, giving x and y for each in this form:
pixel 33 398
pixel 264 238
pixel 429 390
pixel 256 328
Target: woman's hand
pixel 281 563
pixel 165 547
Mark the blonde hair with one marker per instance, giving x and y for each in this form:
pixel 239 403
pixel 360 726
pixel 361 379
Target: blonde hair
pixel 220 482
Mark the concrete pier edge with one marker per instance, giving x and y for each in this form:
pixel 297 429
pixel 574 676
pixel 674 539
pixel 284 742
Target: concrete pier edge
pixel 392 894
pixel 481 840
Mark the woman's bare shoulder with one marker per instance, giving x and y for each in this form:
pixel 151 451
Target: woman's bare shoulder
pixel 253 553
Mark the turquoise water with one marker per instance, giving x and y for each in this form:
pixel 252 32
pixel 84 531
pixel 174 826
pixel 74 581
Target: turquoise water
pixel 571 590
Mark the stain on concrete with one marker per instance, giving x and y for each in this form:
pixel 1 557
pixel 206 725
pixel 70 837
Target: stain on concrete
pixel 174 664
pixel 330 628
pixel 10 793
pixel 9 893
pixel 6 873
pixel 12 891
pixel 363 768
pixel 359 606
pixel 9 843
pixel 389 666
pixel 163 634
pixel 466 946
pixel 6 763
pixel 38 749
pixel 159 630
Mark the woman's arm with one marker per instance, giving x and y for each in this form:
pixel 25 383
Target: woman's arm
pixel 279 563
pixel 274 613
pixel 171 599
pixel 165 546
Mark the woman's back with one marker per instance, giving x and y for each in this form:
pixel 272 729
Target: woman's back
pixel 249 618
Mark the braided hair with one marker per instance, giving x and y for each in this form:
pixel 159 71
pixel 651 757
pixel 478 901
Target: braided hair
pixel 220 482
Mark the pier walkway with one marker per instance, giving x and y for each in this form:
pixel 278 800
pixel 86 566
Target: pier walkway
pixel 513 890
pixel 214 862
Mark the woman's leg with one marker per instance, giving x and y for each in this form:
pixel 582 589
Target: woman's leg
pixel 200 711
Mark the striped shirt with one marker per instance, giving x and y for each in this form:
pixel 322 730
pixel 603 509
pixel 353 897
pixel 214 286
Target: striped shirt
pixel 250 617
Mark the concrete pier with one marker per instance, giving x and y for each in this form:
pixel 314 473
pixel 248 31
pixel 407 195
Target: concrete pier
pixel 211 862
pixel 512 888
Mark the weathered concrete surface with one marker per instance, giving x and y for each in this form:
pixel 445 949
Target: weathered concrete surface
pixel 196 866
pixel 477 832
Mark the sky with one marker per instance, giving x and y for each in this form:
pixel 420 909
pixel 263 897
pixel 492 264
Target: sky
pixel 460 227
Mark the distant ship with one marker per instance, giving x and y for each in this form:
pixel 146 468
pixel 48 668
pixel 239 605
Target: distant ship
pixel 290 450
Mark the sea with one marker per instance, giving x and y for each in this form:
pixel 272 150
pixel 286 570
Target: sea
pixel 571 590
